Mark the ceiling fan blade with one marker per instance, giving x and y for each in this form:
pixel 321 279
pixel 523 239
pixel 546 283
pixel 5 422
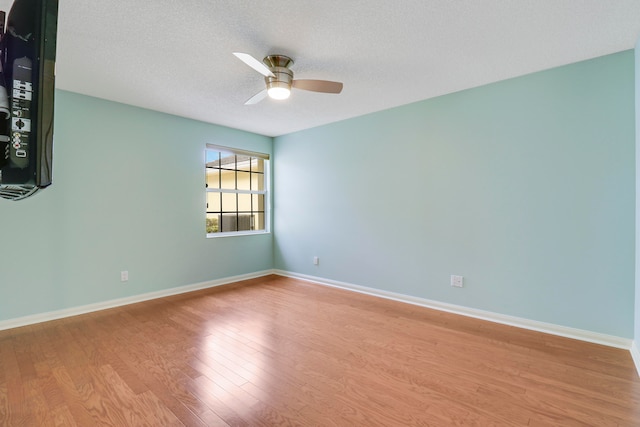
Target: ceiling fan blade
pixel 254 63
pixel 257 97
pixel 324 86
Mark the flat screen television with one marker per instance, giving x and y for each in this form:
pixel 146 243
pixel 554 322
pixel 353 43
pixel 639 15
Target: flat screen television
pixel 27 80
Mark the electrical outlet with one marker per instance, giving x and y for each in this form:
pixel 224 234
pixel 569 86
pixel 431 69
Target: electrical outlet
pixel 124 276
pixel 316 260
pixel 457 281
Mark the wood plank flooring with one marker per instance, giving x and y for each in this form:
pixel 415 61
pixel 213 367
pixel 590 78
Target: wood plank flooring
pixel 277 351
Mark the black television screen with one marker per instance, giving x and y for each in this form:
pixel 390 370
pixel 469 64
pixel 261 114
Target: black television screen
pixel 26 113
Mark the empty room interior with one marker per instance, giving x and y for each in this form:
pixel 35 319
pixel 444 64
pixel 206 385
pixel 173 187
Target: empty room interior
pixel 437 227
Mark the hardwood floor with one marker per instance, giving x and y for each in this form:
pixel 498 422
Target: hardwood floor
pixel 277 351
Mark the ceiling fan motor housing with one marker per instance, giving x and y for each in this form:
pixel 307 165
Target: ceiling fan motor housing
pixel 282 75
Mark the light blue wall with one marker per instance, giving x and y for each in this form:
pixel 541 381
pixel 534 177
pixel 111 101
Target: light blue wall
pixel 127 194
pixel 525 187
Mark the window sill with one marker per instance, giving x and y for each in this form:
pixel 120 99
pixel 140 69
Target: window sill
pixel 236 233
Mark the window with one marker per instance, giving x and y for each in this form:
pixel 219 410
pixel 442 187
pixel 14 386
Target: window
pixel 237 191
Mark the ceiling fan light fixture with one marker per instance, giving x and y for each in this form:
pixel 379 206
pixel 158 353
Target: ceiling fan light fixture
pixel 278 90
pixel 279 93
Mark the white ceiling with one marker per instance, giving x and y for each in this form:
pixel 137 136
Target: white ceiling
pixel 176 56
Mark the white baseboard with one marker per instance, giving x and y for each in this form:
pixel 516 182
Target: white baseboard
pixel 635 354
pixel 74 311
pixel 563 331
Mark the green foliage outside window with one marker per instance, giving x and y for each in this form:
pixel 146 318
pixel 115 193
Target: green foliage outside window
pixel 212 225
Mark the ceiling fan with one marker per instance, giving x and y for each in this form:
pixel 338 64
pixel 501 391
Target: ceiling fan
pixel 279 78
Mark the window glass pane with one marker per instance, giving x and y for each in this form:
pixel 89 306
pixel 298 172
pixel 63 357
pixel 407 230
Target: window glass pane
pixel 227 160
pixel 258 202
pixel 213 202
pixel 257 165
pixel 212 158
pixel 257 181
pixel 233 222
pixel 244 163
pixel 229 202
pixel 244 202
pixel 212 223
pixel 243 180
pixel 213 178
pixel 228 179
pixel 258 221
pixel 245 222
pixel 229 222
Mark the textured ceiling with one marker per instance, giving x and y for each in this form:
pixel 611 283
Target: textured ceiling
pixel 176 57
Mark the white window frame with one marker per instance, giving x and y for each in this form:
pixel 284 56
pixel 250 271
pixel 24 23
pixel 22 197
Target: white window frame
pixel 265 192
